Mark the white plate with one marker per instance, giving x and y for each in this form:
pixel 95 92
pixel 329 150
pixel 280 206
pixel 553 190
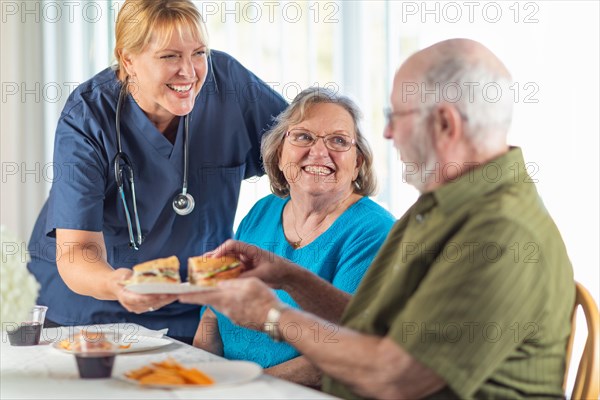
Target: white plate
pixel 130 344
pixel 166 288
pixel 224 373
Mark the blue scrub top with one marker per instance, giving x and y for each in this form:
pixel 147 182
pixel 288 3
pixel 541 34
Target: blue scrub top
pixel 231 113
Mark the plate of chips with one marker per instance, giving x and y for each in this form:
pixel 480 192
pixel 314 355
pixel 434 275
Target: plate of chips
pixel 170 374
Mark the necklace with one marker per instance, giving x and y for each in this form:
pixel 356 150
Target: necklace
pixel 298 243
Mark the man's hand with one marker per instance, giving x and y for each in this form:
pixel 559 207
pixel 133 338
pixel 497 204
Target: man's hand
pixel 311 292
pixel 245 301
pixel 264 265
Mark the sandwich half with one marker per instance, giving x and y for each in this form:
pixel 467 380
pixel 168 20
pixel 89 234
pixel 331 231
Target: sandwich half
pixel 161 270
pixel 207 271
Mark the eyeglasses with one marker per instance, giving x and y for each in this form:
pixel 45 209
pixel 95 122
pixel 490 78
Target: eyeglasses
pixel 333 141
pixel 390 115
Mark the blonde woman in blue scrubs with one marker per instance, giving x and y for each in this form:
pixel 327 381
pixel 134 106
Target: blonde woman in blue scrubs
pixel 89 234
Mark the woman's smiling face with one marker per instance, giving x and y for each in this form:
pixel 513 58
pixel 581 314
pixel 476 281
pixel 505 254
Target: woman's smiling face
pixel 318 170
pixel 165 80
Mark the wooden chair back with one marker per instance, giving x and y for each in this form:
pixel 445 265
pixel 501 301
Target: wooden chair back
pixel 586 381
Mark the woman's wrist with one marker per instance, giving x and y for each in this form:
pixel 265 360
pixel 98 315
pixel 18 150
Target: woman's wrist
pixel 113 283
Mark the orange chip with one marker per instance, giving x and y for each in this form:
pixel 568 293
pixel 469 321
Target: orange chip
pixel 65 344
pixel 161 379
pixel 169 364
pixel 195 377
pixel 169 372
pixel 139 373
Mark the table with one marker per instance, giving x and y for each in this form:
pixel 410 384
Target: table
pixel 44 372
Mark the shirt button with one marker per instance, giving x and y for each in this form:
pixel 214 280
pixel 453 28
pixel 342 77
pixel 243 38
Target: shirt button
pixel 419 218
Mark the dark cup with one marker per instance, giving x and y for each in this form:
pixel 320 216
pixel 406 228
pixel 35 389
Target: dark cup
pixel 95 365
pixel 28 333
pixel 95 354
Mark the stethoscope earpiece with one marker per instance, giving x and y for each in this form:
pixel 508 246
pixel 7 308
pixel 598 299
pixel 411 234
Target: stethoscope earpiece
pixel 183 203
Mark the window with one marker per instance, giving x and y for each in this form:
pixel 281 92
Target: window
pixel 551 47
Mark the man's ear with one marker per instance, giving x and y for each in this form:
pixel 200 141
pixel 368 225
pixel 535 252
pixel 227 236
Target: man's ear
pixel 447 126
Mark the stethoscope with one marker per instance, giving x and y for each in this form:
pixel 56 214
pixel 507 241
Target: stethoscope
pixel 183 203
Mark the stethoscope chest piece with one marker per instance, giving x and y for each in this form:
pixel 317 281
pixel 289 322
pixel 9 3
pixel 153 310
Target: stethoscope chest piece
pixel 183 203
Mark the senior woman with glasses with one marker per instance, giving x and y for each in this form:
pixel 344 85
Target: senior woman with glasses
pixel 319 217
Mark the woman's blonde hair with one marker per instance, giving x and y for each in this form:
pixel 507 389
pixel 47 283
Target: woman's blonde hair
pixel 139 20
pixel 272 142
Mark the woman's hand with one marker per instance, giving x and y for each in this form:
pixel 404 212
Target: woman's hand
pixel 135 302
pixel 207 335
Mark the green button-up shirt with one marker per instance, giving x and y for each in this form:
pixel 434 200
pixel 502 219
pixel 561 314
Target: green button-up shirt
pixel 474 282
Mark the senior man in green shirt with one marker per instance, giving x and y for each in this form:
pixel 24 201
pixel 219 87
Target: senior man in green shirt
pixel 471 294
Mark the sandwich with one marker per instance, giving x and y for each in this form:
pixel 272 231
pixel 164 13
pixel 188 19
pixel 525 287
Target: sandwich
pixel 161 270
pixel 207 271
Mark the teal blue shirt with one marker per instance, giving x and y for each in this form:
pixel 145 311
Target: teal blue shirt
pixel 339 255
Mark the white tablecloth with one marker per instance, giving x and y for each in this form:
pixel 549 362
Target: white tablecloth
pixel 43 372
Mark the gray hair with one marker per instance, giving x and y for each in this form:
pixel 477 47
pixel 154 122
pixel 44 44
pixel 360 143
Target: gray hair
pixel 272 142
pixel 480 93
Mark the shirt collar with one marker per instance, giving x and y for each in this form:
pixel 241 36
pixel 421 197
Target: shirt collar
pixel 480 180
